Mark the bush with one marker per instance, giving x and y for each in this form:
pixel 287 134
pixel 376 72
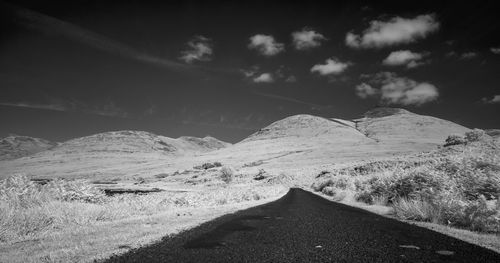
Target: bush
pixel 227 174
pixel 319 185
pixel 414 209
pixel 328 190
pixel 207 166
pixel 454 140
pixel 474 135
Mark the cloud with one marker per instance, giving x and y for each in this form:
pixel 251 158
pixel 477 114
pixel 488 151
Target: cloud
pixel 404 58
pixel 281 74
pixel 398 90
pixel 468 55
pixel 53 107
pixel 364 91
pixel 109 109
pixel 200 49
pixel 313 106
pixel 494 100
pixel 265 45
pixel 495 50
pixel 307 39
pixel 291 79
pixel 332 66
pixel 264 78
pixel 396 31
pixel 53 26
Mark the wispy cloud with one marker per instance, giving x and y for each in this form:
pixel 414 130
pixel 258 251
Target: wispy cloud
pixel 313 106
pixel 200 48
pixel 468 55
pixel 495 50
pixel 266 45
pixel 395 31
pixel 109 109
pixel 492 100
pixel 50 26
pixel 54 107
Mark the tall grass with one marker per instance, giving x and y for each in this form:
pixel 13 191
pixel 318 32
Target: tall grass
pixel 457 186
pixel 29 210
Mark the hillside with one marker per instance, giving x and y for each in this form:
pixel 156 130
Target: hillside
pixel 15 146
pixel 117 153
pixel 398 125
pixel 298 144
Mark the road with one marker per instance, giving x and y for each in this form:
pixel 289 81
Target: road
pixel 303 227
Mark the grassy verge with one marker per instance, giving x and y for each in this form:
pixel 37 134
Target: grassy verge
pixel 72 221
pixel 456 186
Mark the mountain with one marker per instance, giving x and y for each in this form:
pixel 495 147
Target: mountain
pixel 304 143
pixel 301 144
pixel 117 153
pixel 15 146
pixel 494 133
pixel 392 125
pixel 139 141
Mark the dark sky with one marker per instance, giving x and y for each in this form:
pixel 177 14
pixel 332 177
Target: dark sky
pixel 75 68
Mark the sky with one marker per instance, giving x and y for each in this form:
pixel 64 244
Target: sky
pixel 228 68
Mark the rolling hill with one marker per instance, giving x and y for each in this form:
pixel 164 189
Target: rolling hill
pixel 298 144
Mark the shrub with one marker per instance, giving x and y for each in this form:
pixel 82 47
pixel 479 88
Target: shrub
pixel 319 185
pixel 227 174
pixel 328 190
pixel 261 175
pixel 207 166
pixel 474 135
pixel 414 209
pixel 454 140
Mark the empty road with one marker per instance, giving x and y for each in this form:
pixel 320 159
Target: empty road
pixel 303 227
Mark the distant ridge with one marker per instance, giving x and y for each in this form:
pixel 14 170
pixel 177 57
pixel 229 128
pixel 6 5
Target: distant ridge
pixel 300 143
pixel 16 146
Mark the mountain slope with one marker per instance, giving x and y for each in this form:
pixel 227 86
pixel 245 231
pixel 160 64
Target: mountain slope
pixel 15 146
pixel 300 144
pixel 398 125
pixel 117 153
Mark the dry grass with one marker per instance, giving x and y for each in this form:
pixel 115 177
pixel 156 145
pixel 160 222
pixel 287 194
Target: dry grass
pixel 31 212
pixel 457 186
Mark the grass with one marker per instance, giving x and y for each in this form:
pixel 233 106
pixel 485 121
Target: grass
pixel 30 212
pixel 457 186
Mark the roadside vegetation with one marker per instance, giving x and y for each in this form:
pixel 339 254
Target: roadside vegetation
pixel 457 185
pixel 30 210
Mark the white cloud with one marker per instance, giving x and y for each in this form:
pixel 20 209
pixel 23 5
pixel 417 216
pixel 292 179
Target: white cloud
pixel 256 75
pixel 495 50
pixel 398 90
pixel 364 90
pixel 404 57
pixel 397 30
pixel 468 55
pixel 265 45
pixel 332 66
pixel 264 78
pixel 307 39
pixel 200 48
pixel 495 99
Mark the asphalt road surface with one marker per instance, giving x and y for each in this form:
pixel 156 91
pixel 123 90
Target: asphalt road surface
pixel 303 227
